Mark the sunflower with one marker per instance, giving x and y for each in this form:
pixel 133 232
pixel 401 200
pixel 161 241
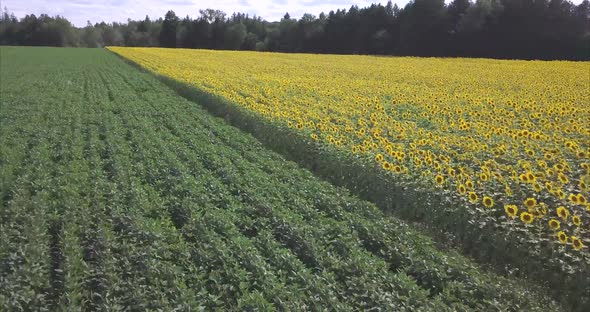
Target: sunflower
pixel 461 189
pixel 439 179
pixel 397 169
pixel 562 212
pixel 542 209
pixel 417 162
pixel 473 197
pixel 577 243
pixel 484 176
pixel 451 172
pixel 554 224
pixel 576 220
pixel 549 186
pixel 530 202
pixel 386 165
pixel 531 177
pixel 581 199
pixel 563 178
pixel 573 199
pixel 379 157
pixel 488 201
pixel 562 237
pixel 526 217
pixel 558 167
pixel 511 210
pixel 469 184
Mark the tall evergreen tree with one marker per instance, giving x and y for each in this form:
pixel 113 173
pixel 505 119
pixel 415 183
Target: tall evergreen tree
pixel 168 32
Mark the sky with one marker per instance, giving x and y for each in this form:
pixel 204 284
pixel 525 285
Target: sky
pixel 80 11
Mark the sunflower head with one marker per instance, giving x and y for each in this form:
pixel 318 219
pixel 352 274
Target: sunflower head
pixel 451 172
pixel 543 209
pixel 473 197
pixel 511 210
pixel 379 157
pixel 581 199
pixel 530 177
pixel 488 201
pixel 386 165
pixel 563 178
pixel 562 212
pixel 527 217
pixel 469 184
pixel 461 189
pixel 577 243
pixel 530 203
pixel 576 220
pixel 439 179
pixel 573 198
pixel 562 237
pixel 554 224
pixel 484 176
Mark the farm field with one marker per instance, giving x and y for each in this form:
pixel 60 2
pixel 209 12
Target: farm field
pixel 118 194
pixel 496 153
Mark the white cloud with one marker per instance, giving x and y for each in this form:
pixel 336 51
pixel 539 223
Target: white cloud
pixel 80 11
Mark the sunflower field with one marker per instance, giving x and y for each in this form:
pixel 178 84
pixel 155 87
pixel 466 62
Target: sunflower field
pixel 499 146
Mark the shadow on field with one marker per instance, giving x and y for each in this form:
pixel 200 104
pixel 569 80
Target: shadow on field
pixel 446 223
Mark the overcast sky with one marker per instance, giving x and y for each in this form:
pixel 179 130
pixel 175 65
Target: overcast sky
pixel 80 11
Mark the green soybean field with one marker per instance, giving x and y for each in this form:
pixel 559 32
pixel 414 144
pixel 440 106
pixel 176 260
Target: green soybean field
pixel 117 193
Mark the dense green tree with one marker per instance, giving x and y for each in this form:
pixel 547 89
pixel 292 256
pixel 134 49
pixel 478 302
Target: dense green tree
pixel 235 36
pixel 525 29
pixel 423 30
pixel 168 32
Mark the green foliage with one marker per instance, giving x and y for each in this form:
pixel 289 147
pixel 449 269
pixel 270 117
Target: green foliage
pixel 509 29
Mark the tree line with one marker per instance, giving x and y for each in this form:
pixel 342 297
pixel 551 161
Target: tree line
pixel 516 29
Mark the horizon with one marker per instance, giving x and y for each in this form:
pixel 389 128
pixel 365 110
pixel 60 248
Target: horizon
pixel 79 12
